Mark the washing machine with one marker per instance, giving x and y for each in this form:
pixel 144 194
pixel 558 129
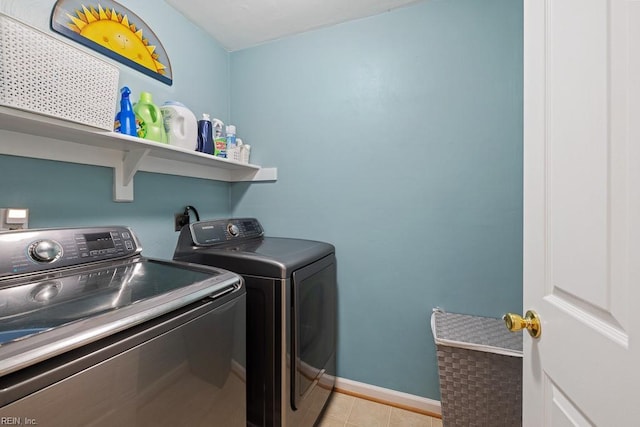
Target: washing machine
pixel 93 333
pixel 291 314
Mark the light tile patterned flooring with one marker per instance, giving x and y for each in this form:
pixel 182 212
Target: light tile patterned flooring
pixel 348 411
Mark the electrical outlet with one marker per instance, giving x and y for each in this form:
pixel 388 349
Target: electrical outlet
pixel 14 218
pixel 180 220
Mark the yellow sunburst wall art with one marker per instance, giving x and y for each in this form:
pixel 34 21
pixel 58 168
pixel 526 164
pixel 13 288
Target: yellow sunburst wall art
pixel 113 30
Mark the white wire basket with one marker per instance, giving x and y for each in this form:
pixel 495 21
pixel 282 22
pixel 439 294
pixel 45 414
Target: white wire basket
pixel 42 74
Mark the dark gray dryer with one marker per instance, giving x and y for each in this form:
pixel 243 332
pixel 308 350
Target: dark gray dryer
pixel 291 314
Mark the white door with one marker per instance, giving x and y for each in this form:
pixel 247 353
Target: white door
pixel 582 212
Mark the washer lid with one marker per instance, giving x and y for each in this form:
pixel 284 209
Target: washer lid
pixel 47 314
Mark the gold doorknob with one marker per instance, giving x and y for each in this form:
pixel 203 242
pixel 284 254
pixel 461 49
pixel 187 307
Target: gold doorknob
pixel 530 322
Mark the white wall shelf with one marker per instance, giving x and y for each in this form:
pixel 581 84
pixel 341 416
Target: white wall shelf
pixel 28 134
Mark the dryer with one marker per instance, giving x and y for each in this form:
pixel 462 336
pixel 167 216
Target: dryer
pixel 291 314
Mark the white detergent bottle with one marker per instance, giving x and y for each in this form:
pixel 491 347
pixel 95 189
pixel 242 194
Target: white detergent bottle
pixel 181 125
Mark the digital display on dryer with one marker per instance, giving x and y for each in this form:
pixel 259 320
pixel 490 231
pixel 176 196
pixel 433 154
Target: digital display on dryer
pixel 97 241
pixel 207 233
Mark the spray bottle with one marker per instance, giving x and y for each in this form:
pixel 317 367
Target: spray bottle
pixel 125 119
pixel 219 139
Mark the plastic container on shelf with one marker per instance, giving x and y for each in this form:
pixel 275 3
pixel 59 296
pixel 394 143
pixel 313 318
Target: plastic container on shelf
pixel 180 124
pixel 219 139
pixel 245 152
pixel 149 119
pixel 125 119
pixel 232 148
pixel 205 135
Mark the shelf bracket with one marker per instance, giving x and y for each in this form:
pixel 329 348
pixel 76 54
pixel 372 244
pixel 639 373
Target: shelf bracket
pixel 123 174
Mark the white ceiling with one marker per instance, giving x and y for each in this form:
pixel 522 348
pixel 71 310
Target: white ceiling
pixel 238 24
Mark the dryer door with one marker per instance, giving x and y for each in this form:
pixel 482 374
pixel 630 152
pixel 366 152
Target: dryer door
pixel 313 327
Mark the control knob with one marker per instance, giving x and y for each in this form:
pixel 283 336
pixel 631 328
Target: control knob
pixel 233 229
pixel 45 251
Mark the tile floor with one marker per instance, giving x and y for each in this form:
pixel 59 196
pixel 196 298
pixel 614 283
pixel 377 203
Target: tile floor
pixel 349 411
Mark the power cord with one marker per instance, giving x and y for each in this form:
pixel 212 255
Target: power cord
pixel 183 219
pixel 195 211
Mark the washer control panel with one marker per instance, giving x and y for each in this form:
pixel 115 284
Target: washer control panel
pixel 28 251
pixel 209 233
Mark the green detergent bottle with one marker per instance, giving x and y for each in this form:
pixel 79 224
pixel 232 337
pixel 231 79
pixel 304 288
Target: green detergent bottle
pixel 149 121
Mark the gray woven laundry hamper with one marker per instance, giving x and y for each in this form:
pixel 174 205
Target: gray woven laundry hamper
pixel 480 370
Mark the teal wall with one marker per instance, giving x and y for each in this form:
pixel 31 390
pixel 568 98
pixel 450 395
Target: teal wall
pixel 399 139
pixel 63 194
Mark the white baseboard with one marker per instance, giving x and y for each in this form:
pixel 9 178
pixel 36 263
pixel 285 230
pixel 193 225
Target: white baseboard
pixel 392 397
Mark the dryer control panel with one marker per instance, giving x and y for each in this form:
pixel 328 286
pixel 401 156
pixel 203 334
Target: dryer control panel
pixel 28 251
pixel 209 233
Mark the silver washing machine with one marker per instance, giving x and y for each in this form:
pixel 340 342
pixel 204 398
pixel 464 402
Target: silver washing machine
pixel 291 314
pixel 92 333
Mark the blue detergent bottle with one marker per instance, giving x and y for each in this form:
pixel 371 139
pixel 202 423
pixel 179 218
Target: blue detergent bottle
pixel 205 135
pixel 125 119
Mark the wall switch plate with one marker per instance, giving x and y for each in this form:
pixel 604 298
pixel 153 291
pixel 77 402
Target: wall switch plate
pixel 14 218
